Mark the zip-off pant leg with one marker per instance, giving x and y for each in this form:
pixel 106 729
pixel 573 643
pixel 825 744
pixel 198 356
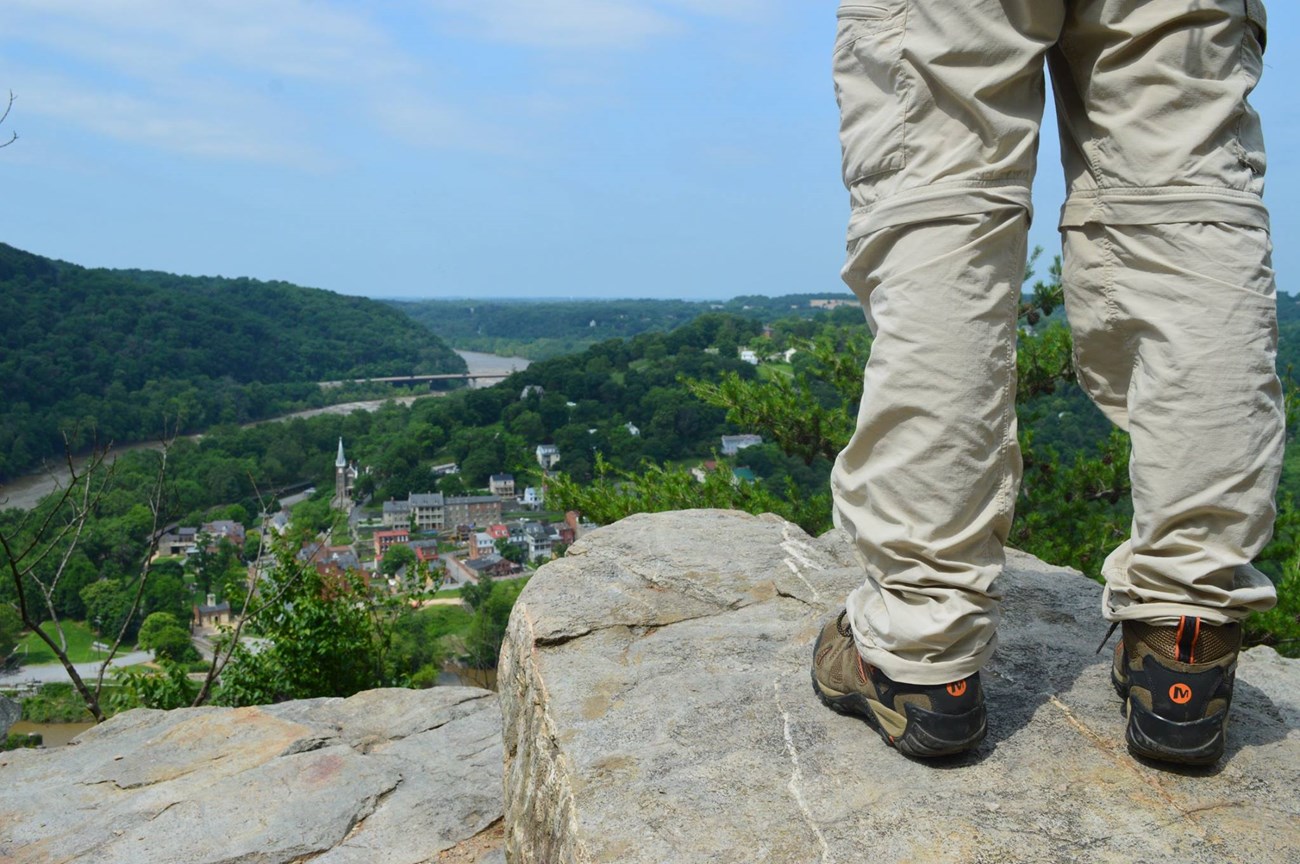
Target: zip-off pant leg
pixel 941 104
pixel 940 109
pixel 1170 292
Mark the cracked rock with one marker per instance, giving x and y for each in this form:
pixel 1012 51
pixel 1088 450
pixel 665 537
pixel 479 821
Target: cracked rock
pixel 387 776
pixel 656 707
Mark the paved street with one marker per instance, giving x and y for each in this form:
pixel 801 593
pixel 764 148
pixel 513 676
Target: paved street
pixel 53 672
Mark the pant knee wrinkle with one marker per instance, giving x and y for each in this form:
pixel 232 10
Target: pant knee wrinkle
pixel 1006 488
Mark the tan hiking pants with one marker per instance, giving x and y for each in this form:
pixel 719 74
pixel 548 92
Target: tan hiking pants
pixel 1168 285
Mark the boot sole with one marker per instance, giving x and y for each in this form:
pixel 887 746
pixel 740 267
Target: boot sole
pixel 926 734
pixel 1147 734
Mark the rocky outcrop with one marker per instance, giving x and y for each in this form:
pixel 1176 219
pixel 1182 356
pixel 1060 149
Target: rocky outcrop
pixel 385 777
pixel 657 708
pixel 10 713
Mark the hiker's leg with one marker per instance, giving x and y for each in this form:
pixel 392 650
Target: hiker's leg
pixel 940 107
pixel 1170 291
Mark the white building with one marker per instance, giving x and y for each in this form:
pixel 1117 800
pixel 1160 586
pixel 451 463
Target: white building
pixel 733 444
pixel 547 456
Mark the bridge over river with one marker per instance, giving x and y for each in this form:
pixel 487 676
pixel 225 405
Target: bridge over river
pixel 474 378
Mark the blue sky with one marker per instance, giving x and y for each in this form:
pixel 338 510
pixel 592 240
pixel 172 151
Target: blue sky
pixel 480 148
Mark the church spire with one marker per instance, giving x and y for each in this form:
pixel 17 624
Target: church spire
pixel 341 478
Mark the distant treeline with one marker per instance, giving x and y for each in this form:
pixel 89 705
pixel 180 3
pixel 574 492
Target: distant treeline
pixel 541 329
pixel 122 355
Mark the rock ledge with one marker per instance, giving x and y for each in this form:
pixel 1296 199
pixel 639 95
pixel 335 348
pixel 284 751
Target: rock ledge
pixel 656 704
pixel 385 777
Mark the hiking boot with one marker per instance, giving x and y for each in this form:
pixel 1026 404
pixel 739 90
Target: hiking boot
pixel 918 719
pixel 1176 683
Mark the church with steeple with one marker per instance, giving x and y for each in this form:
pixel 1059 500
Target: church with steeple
pixel 345 474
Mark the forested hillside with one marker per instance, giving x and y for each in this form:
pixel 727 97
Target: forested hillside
pixel 541 329
pixel 111 354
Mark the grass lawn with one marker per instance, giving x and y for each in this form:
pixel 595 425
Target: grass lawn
pixel 79 639
pixel 768 371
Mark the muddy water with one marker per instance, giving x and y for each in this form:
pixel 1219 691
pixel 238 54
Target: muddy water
pixel 54 734
pixel 456 675
pixel 491 364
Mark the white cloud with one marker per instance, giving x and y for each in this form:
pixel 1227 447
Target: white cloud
pixel 201 78
pixel 586 24
pixel 287 82
pixel 214 125
pixel 558 23
pixel 292 38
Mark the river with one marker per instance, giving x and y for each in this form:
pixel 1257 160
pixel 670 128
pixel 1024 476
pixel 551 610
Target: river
pixel 52 734
pixel 492 364
pixel 24 493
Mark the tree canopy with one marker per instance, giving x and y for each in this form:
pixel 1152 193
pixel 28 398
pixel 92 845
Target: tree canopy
pixel 129 355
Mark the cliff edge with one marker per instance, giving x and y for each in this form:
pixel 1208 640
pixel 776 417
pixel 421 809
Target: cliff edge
pixel 657 708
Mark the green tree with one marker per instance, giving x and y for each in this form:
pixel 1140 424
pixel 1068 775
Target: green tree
pixel 37 547
pixel 511 551
pixel 165 592
pixel 314 515
pixel 172 688
pixel 167 638
pixel 324 636
pixel 108 606
pixel 423 639
pixel 476 593
pixel 490 619
pixel 397 557
pixel 613 494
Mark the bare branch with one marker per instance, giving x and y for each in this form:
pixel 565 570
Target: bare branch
pixel 13 136
pixel 157 506
pixel 46 539
pixel 42 533
pixel 220 660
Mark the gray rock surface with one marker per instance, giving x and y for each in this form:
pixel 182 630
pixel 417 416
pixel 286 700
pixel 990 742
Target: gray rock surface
pixel 10 713
pixel 657 708
pixel 385 777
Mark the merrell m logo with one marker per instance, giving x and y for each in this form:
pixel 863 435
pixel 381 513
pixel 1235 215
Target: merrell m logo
pixel 1180 694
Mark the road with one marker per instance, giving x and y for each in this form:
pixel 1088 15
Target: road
pixel 54 672
pixel 25 493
